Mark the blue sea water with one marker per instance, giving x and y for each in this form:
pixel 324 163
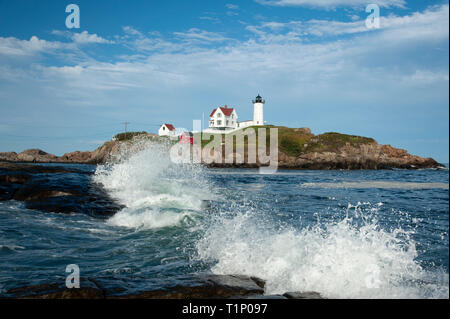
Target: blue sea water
pixel 345 234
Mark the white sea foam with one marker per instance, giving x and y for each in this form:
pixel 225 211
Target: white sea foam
pixel 350 258
pixel 339 260
pixel 378 184
pixel 156 192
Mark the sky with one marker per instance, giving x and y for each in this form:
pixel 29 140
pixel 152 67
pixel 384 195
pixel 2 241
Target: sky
pixel 315 62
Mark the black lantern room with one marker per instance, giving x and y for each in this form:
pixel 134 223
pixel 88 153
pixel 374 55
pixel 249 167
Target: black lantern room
pixel 258 99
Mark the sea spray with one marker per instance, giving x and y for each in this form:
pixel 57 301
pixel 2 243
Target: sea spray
pixel 352 254
pixel 156 192
pixel 350 258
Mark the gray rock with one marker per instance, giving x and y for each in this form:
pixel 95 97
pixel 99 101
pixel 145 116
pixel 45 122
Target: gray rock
pixel 303 295
pixel 265 297
pixel 240 282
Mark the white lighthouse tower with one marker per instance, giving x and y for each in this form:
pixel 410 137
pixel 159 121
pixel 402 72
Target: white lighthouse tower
pixel 258 111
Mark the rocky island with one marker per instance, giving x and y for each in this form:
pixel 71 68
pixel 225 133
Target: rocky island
pixel 298 149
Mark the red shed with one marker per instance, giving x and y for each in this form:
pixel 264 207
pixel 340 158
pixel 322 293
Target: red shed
pixel 187 138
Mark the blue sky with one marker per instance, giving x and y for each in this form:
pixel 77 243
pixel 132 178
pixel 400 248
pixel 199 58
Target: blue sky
pixel 149 62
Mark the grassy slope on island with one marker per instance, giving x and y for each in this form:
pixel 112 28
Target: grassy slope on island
pixel 298 141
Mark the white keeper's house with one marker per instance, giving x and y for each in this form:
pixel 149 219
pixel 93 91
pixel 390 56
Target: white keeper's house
pixel 167 130
pixel 224 119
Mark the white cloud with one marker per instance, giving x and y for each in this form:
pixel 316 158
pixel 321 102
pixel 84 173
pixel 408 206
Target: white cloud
pixel 231 13
pixel 284 66
pixel 84 38
pixel 232 6
pixel 81 38
pixel 16 47
pixel 330 3
pixel 131 30
pixel 212 19
pixel 432 23
pixel 369 65
pixel 198 35
pixel 145 43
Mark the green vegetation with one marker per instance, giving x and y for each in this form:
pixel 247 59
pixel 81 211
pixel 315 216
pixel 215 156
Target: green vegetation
pixel 333 141
pixel 291 141
pixel 297 141
pixel 127 136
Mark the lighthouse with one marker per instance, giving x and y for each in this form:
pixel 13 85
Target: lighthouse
pixel 258 111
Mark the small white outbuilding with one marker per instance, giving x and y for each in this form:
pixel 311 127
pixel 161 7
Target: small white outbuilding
pixel 167 130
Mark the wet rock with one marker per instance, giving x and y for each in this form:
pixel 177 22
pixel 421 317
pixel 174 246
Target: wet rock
pixel 14 178
pixel 213 286
pixel 242 283
pixel 265 297
pixel 33 193
pixel 20 168
pixel 199 287
pixel 87 290
pixel 55 189
pixel 303 295
pixel 196 287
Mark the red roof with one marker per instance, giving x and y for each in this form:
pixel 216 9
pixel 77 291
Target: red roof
pixel 227 111
pixel 170 127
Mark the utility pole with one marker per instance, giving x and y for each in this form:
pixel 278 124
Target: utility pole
pixel 203 122
pixel 126 124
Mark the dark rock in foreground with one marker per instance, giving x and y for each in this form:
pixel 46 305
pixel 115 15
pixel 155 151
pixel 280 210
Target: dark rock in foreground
pixel 303 295
pixel 201 287
pixel 55 189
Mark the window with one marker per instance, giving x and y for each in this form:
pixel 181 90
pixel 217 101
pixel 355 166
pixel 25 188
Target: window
pixel 219 114
pixel 219 122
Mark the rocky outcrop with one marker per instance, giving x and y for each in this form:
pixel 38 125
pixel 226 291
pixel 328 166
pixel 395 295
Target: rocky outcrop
pixel 363 156
pixel 199 287
pixel 76 157
pixel 8 156
pixel 36 155
pixel 55 189
pixel 298 149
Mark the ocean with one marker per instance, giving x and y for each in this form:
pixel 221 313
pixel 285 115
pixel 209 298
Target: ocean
pixel 344 234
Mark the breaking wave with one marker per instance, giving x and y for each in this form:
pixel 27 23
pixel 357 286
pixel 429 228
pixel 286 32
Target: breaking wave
pixel 350 258
pixel 155 192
